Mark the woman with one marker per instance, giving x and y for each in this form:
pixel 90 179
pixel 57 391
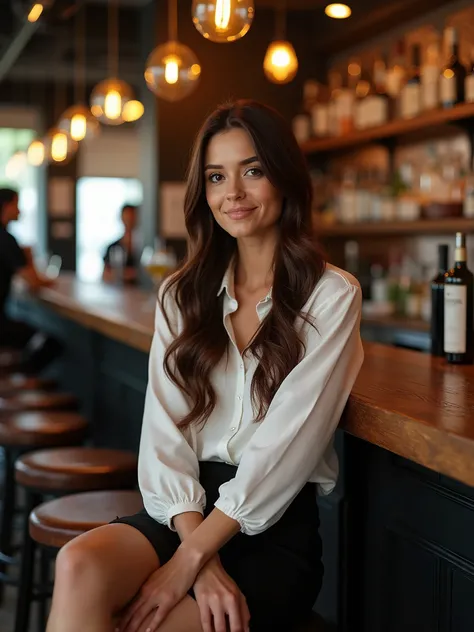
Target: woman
pixel 255 351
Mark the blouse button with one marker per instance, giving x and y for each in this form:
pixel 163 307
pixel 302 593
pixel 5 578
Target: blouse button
pixel 232 429
pixel 239 397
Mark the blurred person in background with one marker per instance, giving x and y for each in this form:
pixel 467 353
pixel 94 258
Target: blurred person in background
pixel 38 350
pixel 122 253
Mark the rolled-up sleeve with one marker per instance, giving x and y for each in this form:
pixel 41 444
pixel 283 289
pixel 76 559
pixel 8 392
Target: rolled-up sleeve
pixel 168 468
pixel 301 419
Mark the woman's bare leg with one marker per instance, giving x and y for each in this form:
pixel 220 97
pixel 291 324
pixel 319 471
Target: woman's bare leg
pixel 98 573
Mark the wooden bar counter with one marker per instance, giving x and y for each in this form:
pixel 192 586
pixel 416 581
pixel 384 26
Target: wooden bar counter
pixel 409 403
pixel 398 531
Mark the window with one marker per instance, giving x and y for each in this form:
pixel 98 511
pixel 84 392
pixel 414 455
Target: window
pixel 16 173
pixel 99 202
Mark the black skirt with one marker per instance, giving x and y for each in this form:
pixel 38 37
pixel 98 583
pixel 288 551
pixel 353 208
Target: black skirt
pixel 279 571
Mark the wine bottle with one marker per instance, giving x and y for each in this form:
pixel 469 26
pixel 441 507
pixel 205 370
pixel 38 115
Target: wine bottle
pixel 410 103
pixel 437 303
pixel 469 84
pixel 453 75
pixel 458 308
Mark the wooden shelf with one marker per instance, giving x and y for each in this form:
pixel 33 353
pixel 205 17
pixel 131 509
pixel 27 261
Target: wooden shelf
pixel 433 119
pixel 419 227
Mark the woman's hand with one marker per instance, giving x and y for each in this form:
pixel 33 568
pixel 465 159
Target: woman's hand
pixel 219 596
pixel 161 592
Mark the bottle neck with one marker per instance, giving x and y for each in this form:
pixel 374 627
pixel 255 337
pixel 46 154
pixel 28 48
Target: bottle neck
pixel 460 258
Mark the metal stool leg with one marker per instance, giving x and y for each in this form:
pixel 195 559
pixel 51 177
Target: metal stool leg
pixel 44 576
pixel 25 587
pixel 6 524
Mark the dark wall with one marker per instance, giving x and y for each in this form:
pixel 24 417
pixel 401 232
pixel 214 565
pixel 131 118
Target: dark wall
pixel 228 71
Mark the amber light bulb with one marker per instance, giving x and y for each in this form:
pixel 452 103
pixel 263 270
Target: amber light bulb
pixel 223 21
pixel 281 63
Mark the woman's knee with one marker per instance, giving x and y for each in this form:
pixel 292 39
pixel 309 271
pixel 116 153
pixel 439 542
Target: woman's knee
pixel 78 567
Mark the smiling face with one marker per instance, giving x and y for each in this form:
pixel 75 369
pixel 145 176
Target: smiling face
pixel 242 199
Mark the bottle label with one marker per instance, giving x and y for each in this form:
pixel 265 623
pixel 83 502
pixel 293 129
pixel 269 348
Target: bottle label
pixel 470 88
pixel 320 119
pixel 448 90
pixel 430 95
pixel 455 318
pixel 411 100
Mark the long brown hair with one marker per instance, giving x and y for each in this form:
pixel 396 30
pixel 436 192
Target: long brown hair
pixel 298 265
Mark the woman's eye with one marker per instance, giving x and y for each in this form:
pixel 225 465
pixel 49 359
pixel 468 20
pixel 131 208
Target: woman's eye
pixel 256 172
pixel 215 177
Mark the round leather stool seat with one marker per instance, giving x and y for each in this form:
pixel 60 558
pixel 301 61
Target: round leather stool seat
pixel 17 382
pixel 38 400
pixel 77 469
pixel 42 429
pixel 56 522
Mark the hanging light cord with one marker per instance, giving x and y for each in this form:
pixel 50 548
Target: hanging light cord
pixel 113 38
pixel 80 80
pixel 173 20
pixel 280 21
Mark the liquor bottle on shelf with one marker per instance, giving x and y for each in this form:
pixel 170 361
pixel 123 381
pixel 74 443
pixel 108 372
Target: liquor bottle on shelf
pixel 410 98
pixel 469 83
pixel 430 78
pixel 345 108
pixel 468 209
pixel 453 76
pixel 320 114
pixel 437 302
pixel 396 75
pixel 377 103
pixel 458 308
pixel 362 90
pixel 335 88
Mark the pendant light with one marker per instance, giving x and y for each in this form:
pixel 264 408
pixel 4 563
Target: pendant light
pixel 172 69
pixel 110 97
pixel 338 11
pixel 59 147
pixel 15 165
pixel 78 120
pixel 36 153
pixel 223 21
pixel 280 63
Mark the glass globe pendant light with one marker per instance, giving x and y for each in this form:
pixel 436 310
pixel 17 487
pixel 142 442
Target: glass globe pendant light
pixel 78 120
pixel 109 97
pixel 223 21
pixel 36 153
pixel 59 147
pixel 280 63
pixel 172 69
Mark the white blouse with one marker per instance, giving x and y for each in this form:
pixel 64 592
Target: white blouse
pixel 275 457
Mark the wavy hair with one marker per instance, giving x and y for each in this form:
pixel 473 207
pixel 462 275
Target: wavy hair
pixel 298 265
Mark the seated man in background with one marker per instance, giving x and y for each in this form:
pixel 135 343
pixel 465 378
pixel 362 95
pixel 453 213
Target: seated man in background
pixel 38 350
pixel 121 253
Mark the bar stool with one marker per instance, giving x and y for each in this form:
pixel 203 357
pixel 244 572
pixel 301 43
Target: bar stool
pixel 21 432
pixel 54 523
pixel 16 382
pixel 37 400
pixel 60 471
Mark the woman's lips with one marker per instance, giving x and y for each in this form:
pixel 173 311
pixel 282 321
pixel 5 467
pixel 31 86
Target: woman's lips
pixel 240 213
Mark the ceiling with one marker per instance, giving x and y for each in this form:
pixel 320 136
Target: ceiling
pixel 45 50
